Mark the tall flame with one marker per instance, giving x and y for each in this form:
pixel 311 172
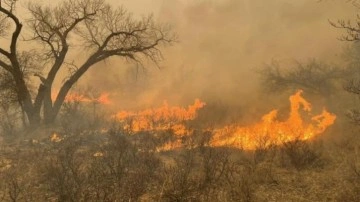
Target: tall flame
pixel 271 131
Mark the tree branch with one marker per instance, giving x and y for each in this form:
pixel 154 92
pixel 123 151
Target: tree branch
pixel 5 53
pixel 17 31
pixel 114 34
pixel 76 22
pixel 7 67
pixel 353 33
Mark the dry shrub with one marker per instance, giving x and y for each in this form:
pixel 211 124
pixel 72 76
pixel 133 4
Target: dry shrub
pixel 351 187
pixel 203 173
pixel 76 117
pixel 179 182
pixel 129 172
pixel 150 140
pixel 20 179
pixel 115 170
pixel 113 166
pixel 64 170
pixel 301 155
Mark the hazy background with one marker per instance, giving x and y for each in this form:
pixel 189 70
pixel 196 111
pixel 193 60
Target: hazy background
pixel 221 45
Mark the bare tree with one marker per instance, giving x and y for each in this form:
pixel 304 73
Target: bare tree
pixel 352 29
pixel 4 24
pixel 93 24
pixel 314 76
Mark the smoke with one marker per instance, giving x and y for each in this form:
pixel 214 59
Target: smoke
pixel 221 45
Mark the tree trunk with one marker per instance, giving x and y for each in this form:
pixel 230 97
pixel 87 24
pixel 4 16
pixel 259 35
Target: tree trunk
pixel 50 118
pixel 48 107
pixel 32 116
pixel 24 98
pixel 52 110
pixel 50 115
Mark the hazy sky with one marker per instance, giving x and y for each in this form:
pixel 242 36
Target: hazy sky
pixel 221 44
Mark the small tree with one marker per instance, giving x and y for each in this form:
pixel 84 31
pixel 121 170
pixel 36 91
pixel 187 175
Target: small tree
pixel 93 24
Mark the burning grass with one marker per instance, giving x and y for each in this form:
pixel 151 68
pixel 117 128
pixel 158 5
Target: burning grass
pixel 146 156
pixel 102 98
pixel 269 131
pixel 161 118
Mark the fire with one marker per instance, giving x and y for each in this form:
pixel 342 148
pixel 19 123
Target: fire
pixel 300 124
pixel 270 131
pixel 55 138
pixel 76 97
pixel 162 118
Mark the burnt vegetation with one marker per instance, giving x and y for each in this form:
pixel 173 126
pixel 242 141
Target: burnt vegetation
pixel 57 150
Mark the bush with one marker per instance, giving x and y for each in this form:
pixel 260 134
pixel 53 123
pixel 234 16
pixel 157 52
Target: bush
pixel 300 155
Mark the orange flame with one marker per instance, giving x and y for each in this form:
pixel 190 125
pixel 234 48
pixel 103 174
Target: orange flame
pixel 271 131
pixel 162 118
pixel 55 138
pixel 76 97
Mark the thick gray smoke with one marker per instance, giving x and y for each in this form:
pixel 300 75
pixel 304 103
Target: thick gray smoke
pixel 221 44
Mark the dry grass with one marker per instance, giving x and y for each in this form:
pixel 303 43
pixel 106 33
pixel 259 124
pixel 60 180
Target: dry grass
pixel 90 165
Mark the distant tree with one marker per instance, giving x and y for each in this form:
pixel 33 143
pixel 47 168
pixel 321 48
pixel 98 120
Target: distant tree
pixel 352 29
pixel 314 76
pixel 102 31
pixel 352 54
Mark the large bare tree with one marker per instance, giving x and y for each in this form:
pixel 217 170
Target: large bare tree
pixel 101 30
